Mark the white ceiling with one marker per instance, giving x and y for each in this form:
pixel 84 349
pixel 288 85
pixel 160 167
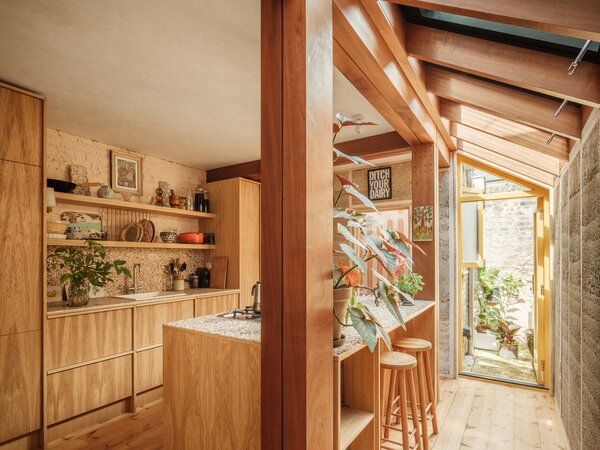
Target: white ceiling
pixel 178 80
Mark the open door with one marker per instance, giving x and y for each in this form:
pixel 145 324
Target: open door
pixel 540 319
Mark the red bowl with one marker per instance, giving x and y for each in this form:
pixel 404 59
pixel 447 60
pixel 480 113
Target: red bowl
pixel 190 238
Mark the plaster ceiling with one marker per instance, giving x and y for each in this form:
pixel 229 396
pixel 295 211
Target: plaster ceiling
pixel 178 80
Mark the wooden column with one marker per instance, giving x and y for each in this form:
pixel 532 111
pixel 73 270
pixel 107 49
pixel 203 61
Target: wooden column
pixel 296 236
pixel 425 187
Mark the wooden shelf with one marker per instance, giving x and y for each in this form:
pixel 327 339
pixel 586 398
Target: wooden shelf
pixel 97 202
pixel 353 422
pixel 123 244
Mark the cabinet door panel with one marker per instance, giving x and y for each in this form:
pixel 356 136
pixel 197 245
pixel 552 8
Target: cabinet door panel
pixel 80 338
pixel 21 249
pixel 20 390
pixel 21 127
pixel 149 369
pixel 217 304
pixel 150 319
pixel 82 389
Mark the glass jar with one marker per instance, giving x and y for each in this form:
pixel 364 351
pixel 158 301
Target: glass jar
pixel 79 293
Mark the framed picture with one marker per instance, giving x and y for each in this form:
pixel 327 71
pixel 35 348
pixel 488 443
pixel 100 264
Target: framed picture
pixel 423 223
pixel 126 172
pixel 380 183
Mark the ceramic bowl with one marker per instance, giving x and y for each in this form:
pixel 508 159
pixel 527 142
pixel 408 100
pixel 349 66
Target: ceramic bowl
pixel 191 238
pixel 168 236
pixel 56 227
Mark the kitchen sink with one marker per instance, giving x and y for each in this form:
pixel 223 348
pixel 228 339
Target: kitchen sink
pixel 152 295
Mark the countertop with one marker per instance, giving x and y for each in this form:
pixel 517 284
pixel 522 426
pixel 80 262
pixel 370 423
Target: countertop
pixel 106 303
pixel 249 330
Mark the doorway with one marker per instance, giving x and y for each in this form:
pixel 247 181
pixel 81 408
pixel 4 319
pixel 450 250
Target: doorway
pixel 503 256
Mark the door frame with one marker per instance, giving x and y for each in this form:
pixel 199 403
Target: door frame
pixel 541 261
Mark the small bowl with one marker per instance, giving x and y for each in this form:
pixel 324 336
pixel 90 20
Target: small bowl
pixel 56 227
pixel 168 236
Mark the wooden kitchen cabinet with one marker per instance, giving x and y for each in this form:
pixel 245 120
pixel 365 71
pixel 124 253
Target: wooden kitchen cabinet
pixel 217 304
pixel 150 319
pixel 236 203
pixel 149 370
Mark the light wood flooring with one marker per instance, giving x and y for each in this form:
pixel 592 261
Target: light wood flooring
pixel 473 415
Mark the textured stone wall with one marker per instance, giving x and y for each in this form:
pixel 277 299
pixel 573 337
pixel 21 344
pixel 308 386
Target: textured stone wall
pixel 576 315
pixel 446 274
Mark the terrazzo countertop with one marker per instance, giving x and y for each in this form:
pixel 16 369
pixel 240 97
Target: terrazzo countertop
pixel 249 330
pixel 106 303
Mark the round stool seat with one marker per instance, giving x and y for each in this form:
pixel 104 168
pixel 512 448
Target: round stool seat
pixel 411 345
pixel 397 361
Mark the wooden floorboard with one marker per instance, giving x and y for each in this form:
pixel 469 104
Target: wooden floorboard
pixel 473 415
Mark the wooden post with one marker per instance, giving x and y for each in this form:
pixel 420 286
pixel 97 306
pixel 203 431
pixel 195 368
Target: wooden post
pixel 296 235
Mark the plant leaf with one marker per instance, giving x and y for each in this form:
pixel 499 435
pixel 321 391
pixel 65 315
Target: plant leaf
pixel 392 305
pixel 351 190
pixel 354 159
pixel 349 236
pixel 345 181
pixel 365 328
pixel 350 253
pixel 347 121
pixel 375 244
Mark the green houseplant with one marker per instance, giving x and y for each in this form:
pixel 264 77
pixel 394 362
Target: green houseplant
pixel 488 281
pixel 410 283
pixel 509 348
pixel 84 267
pixel 369 241
pixel 511 285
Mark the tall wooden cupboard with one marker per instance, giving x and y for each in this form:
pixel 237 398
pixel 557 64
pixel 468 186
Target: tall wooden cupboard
pixel 236 202
pixel 22 276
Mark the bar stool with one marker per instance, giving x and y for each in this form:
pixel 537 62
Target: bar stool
pixel 421 349
pixel 401 368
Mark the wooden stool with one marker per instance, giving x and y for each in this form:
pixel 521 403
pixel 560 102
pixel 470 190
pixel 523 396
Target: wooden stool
pixel 421 349
pixel 401 368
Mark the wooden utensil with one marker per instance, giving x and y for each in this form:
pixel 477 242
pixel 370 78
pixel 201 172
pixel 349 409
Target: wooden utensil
pixel 218 272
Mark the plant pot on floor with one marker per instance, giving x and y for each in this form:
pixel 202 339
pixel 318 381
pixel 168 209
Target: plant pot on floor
pixel 509 351
pixel 341 298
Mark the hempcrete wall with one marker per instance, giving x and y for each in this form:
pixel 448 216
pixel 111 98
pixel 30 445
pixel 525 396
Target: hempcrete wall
pixel 576 324
pixel 446 295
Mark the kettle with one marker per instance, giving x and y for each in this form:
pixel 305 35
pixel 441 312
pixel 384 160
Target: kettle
pixel 256 293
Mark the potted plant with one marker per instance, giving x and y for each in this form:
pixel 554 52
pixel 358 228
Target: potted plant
pixel 509 348
pixel 84 267
pixel 410 283
pixel 511 286
pixel 488 316
pixel 370 241
pixel 488 281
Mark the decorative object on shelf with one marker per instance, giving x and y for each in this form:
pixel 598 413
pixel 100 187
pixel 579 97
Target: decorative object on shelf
pixel 183 203
pixel 105 191
pixel 149 230
pixel 126 196
pixel 83 267
pixel 173 199
pixel 83 225
pixel 168 236
pixel 132 233
pixel 380 183
pixel 178 283
pixel 190 200
pixel 199 199
pixel 411 284
pixel 209 238
pixel 370 241
pixel 79 176
pixel 56 227
pixel 159 197
pixel 126 172
pixel 423 223
pixel 148 199
pixel 67 186
pixel 166 188
pixel 54 294
pixel 190 238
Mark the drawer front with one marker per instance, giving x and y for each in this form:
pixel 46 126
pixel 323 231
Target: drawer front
pixel 20 388
pixel 76 339
pixel 82 389
pixel 217 304
pixel 149 369
pixel 150 319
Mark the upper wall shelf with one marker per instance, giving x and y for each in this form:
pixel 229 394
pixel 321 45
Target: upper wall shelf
pixel 129 206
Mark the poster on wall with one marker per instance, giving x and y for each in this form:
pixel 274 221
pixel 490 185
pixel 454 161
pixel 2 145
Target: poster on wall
pixel 423 223
pixel 380 183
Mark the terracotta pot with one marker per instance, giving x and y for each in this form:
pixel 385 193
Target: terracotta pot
pixel 191 238
pixel 341 297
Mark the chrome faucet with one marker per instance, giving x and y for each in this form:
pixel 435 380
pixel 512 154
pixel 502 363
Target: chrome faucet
pixel 136 273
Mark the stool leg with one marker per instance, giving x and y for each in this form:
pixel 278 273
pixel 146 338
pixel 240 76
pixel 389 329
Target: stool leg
pixel 423 400
pixel 413 408
pixel 403 412
pixel 390 404
pixel 431 393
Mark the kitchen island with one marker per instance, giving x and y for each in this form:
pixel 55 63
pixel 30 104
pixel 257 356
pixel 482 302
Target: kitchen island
pixel 212 380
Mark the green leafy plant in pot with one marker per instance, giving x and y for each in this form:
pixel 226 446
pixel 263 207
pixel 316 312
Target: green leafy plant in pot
pixel 84 267
pixel 369 241
pixel 509 347
pixel 410 283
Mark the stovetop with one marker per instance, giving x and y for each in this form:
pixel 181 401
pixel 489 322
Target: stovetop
pixel 246 313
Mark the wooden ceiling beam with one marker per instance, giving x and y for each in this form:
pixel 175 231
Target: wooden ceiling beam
pixel 510 150
pixel 529 69
pixel 390 23
pixel 508 130
pixel 357 35
pixel 505 162
pixel 505 102
pixel 576 18
pixel 370 148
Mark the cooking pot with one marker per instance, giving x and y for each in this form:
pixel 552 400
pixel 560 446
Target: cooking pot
pixel 191 238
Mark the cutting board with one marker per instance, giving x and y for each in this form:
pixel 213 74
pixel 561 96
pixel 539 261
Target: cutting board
pixel 218 272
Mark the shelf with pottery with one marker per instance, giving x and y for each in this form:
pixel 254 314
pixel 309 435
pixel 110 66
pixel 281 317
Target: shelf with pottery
pixel 125 244
pixel 84 200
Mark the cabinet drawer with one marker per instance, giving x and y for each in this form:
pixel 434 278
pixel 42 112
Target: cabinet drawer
pixel 149 369
pixel 84 337
pixel 150 319
pixel 82 389
pixel 217 304
pixel 20 389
